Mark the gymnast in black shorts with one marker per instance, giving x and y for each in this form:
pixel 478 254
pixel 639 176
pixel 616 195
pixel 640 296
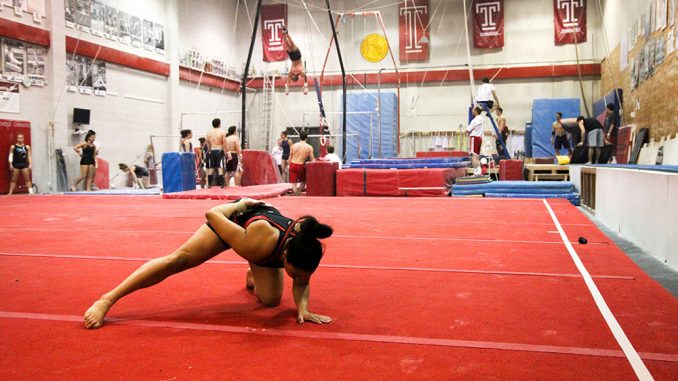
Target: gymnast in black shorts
pixel 20 162
pixel 138 173
pixel 88 152
pixel 271 243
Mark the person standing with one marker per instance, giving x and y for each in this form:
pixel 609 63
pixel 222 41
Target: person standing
pixel 484 96
pixel 285 163
pixel 593 130
pixel 475 131
pixel 20 162
pixel 277 152
pixel 300 152
pixel 232 156
pixel 559 136
pixel 611 125
pixel 186 144
pixel 88 152
pixel 216 139
pixel 202 158
pixel 503 131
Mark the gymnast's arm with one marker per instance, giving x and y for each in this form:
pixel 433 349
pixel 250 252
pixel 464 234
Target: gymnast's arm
pixel 301 291
pixel 78 146
pixel 11 156
pixel 233 234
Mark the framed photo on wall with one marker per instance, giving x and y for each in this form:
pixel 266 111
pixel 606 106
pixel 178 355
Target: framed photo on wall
pixel 84 65
pixel 98 18
pixel 69 13
pixel 71 75
pixel 148 36
pixel 123 27
pixel 111 29
pixel 135 31
pixel 35 65
pixel 159 37
pixel 13 60
pixel 83 14
pixel 99 78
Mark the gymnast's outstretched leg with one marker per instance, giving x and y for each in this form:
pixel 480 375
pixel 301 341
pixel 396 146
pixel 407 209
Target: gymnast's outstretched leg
pixel 203 245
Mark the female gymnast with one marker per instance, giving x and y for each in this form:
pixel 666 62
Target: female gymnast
pixel 20 162
pixel 256 231
pixel 88 162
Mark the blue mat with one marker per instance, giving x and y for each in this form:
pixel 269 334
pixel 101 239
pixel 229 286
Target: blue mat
pixel 600 107
pixel 514 187
pixel 543 116
pixel 658 168
pixel 410 161
pixel 119 192
pixel 574 198
pixel 461 164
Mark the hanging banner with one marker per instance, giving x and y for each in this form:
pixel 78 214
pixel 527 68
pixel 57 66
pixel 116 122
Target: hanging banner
pixel 569 19
pixel 273 19
pixel 488 24
pixel 414 30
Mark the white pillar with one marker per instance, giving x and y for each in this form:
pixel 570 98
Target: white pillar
pixel 59 128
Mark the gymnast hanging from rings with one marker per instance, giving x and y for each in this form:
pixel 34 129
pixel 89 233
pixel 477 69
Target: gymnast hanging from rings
pixel 297 69
pixel 256 231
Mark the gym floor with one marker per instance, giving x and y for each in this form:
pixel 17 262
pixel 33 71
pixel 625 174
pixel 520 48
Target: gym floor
pixel 420 288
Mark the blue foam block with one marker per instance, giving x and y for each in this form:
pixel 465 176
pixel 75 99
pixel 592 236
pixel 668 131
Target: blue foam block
pixel 528 139
pixel 412 166
pixel 658 168
pixel 410 161
pixel 178 171
pixel 543 116
pixel 574 198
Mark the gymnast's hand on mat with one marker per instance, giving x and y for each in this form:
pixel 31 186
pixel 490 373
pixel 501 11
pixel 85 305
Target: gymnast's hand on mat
pixel 315 318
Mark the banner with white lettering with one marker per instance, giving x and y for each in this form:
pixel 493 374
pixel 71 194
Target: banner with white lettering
pixel 273 19
pixel 488 24
pixel 569 19
pixel 414 30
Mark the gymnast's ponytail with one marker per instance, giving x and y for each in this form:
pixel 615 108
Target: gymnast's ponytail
pixel 305 250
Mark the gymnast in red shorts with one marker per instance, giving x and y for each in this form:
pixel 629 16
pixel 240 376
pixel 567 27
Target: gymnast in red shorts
pixel 300 153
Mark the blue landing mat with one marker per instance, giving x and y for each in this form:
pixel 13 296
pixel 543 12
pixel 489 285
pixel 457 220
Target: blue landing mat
pixel 659 168
pixel 119 192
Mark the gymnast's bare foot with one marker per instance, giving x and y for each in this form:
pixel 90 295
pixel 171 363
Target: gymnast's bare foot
pixel 94 317
pixel 249 280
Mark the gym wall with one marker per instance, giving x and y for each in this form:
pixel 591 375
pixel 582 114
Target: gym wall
pixel 652 103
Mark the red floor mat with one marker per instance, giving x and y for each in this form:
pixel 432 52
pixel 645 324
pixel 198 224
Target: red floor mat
pixel 423 289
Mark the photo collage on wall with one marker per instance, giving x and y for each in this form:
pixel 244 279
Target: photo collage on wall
pixel 101 19
pixel 654 48
pixel 85 76
pixel 23 63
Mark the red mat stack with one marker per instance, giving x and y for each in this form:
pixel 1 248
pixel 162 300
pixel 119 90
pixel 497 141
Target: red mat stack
pixel 510 170
pixel 321 178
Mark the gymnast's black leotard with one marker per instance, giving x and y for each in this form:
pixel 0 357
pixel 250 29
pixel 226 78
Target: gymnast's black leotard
pixel 275 219
pixel 88 155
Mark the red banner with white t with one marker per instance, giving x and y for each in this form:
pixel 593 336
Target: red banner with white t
pixel 273 19
pixel 569 19
pixel 414 30
pixel 488 24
